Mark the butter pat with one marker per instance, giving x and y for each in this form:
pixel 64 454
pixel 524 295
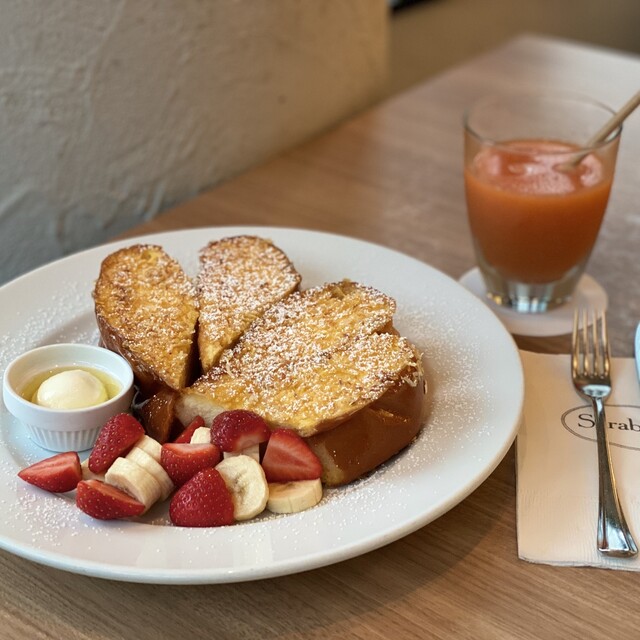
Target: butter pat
pixel 72 389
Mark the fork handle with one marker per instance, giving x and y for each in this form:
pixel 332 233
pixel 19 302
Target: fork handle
pixel 614 537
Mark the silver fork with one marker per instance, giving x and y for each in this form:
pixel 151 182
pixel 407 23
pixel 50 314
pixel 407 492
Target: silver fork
pixel 592 380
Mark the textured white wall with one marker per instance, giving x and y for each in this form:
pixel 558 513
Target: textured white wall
pixel 111 110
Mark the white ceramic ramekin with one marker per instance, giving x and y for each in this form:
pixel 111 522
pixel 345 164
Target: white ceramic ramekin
pixel 65 429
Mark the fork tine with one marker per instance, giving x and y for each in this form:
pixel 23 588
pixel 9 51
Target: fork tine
pixel 575 344
pixel 590 342
pixel 595 346
pixel 578 344
pixel 604 343
pixel 582 342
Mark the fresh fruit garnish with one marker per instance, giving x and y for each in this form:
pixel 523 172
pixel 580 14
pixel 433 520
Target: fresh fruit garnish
pixel 238 429
pixel 58 474
pixel 87 474
pixel 253 452
pixel 115 439
pixel 245 480
pixel 288 457
pixel 204 501
pixel 151 446
pixel 153 467
pixel 185 436
pixel 292 497
pixel 202 435
pixel 102 501
pixel 130 477
pixel 182 461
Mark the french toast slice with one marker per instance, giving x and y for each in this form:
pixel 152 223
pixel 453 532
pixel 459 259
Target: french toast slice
pixel 326 363
pixel 306 324
pixel 303 327
pixel 239 278
pixel 146 310
pixel 374 434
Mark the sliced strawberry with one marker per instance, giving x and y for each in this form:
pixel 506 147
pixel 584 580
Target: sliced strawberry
pixel 182 461
pixel 59 473
pixel 105 502
pixel 288 458
pixel 204 501
pixel 115 439
pixel 236 430
pixel 185 436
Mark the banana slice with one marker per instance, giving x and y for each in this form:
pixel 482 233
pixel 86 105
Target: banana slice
pixel 202 435
pixel 151 446
pixel 291 497
pixel 245 480
pixel 253 452
pixel 87 474
pixel 148 463
pixel 132 478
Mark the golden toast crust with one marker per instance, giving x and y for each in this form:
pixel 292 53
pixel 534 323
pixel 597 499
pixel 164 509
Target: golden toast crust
pixel 239 278
pixel 310 362
pixel 146 310
pixel 306 324
pixel 372 435
pixel 325 362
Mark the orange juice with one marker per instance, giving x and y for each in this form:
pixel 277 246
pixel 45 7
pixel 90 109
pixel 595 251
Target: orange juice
pixel 532 219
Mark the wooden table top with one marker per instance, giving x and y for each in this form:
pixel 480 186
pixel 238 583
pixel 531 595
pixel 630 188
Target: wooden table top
pixel 393 176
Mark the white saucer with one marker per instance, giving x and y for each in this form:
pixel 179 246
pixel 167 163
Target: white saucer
pixel 556 322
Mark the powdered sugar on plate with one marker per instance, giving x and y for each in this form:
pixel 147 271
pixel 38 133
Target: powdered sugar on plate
pixel 473 401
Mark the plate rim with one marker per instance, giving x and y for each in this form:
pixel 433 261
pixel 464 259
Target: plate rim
pixel 290 566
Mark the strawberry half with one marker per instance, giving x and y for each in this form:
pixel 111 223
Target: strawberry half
pixel 238 429
pixel 204 501
pixel 288 458
pixel 115 439
pixel 182 461
pixel 105 502
pixel 58 474
pixel 185 436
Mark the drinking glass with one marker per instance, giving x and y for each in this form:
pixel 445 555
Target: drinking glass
pixel 536 195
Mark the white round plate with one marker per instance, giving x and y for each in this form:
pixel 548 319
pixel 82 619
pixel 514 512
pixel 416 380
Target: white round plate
pixel 475 394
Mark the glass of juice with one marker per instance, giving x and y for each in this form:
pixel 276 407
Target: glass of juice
pixel 536 195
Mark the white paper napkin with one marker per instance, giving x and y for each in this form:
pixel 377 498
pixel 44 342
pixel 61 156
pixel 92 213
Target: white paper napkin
pixel 557 467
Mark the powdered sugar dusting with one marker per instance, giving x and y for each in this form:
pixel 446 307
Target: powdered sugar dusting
pixel 312 358
pixel 310 322
pixel 466 424
pixel 238 279
pixel 147 302
pixel 58 318
pixel 457 396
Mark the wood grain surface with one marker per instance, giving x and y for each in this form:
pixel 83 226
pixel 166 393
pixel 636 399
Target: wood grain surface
pixel 392 175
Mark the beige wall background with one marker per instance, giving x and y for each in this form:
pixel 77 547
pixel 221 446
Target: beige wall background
pixel 432 35
pixel 112 110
